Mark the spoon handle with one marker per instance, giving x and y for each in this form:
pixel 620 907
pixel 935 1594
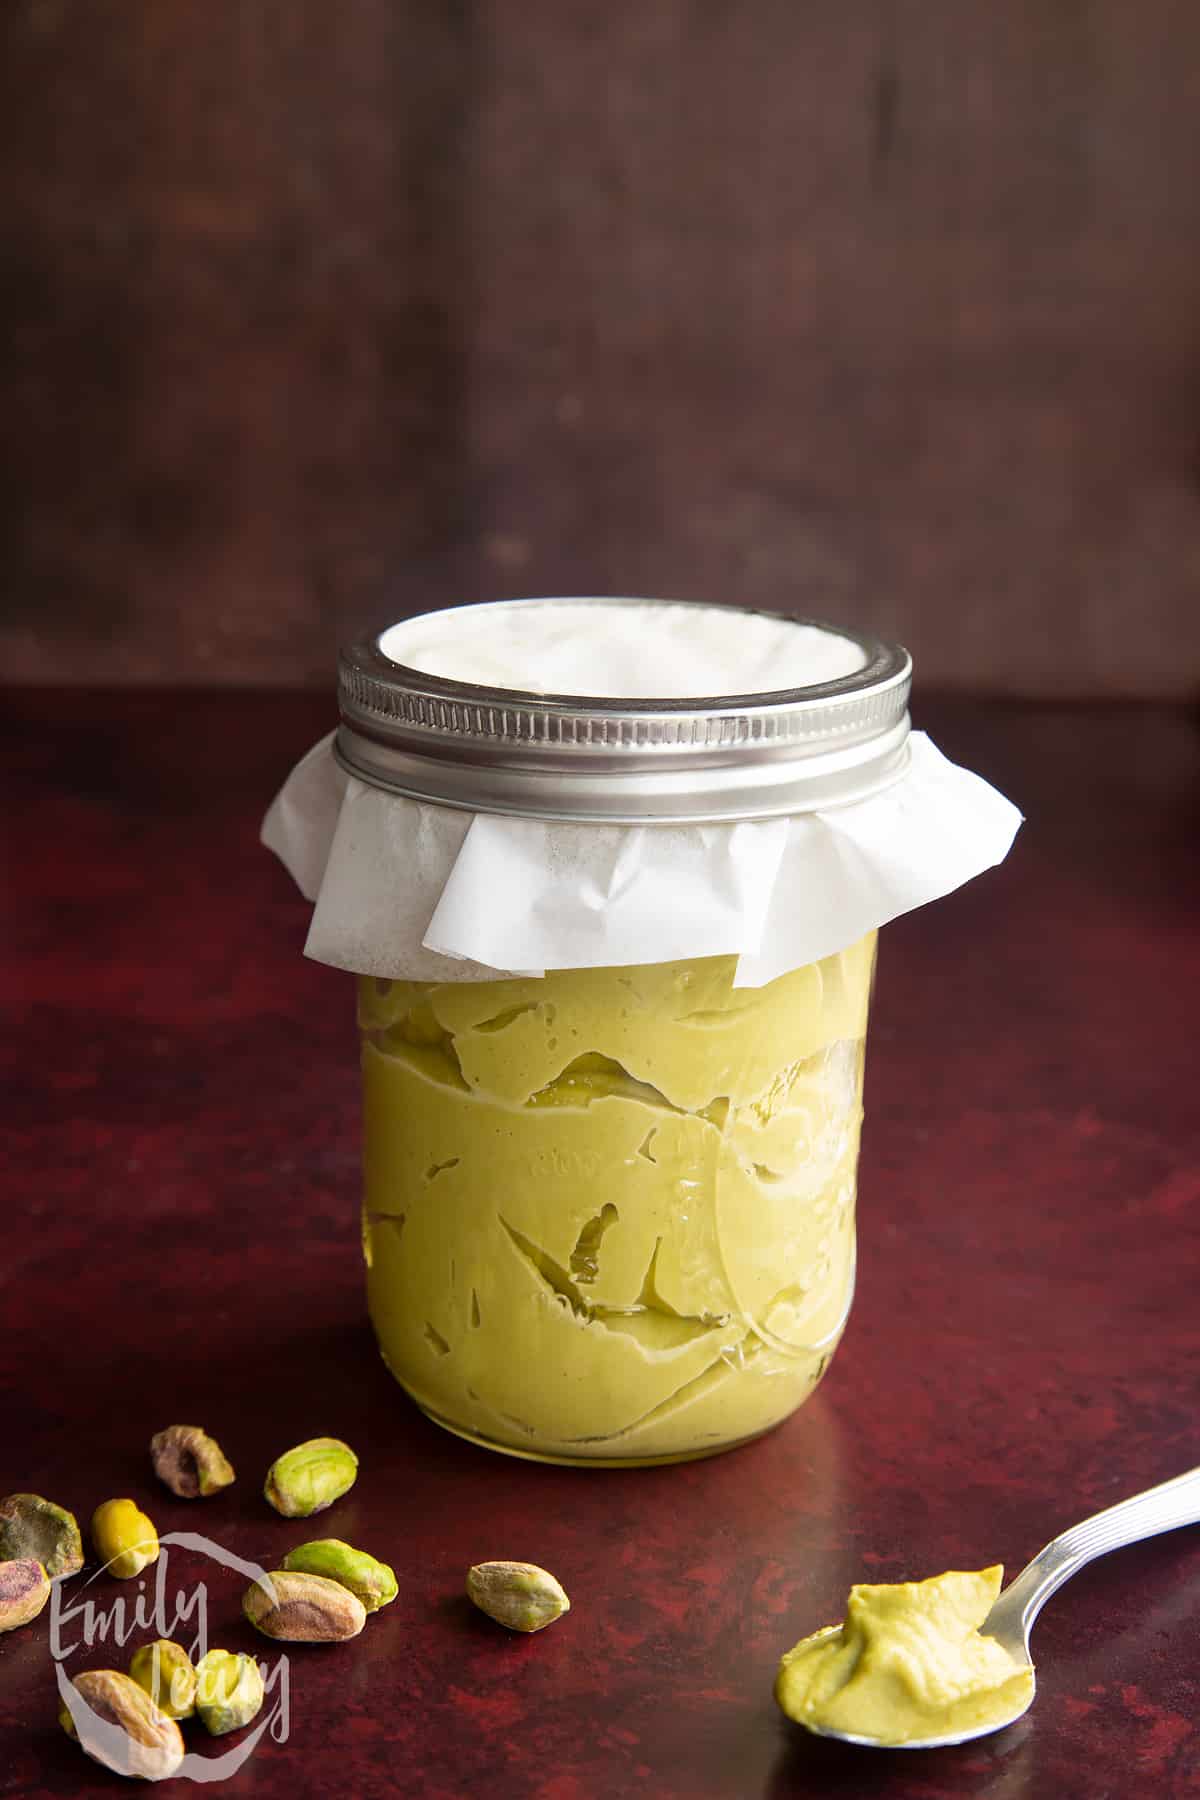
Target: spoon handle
pixel 1161 1508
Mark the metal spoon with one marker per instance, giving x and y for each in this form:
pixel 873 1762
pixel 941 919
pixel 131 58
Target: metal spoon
pixel 1010 1621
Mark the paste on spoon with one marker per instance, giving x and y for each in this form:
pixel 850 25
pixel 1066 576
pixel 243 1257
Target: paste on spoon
pixel 908 1663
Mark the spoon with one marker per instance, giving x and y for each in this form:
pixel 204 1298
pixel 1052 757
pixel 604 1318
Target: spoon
pixel 1011 1619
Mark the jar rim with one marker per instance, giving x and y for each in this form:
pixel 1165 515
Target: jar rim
pixel 588 757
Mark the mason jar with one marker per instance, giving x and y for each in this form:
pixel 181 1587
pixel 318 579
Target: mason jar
pixel 608 1211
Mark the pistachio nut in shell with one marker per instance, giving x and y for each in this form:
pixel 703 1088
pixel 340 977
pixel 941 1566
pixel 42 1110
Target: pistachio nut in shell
pixel 24 1590
pixel 120 1726
pixel 518 1595
pixel 304 1609
pixel 310 1476
pixel 31 1526
pixel 124 1538
pixel 165 1670
pixel 189 1462
pixel 373 1581
pixel 229 1691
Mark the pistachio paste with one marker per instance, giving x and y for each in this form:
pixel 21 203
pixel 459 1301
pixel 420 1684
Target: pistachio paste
pixel 909 1662
pixel 609 1213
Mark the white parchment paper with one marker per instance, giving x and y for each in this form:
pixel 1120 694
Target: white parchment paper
pixel 406 889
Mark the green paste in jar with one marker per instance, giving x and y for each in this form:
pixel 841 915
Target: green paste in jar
pixel 609 1213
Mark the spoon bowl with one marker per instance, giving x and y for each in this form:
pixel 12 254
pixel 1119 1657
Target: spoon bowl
pixel 1010 1622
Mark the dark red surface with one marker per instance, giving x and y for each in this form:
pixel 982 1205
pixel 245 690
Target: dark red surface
pixel 181 1243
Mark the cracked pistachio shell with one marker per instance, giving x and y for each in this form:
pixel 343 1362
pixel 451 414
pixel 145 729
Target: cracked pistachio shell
pixel 374 1582
pixel 24 1590
pixel 304 1609
pixel 124 1538
pixel 125 1731
pixel 189 1462
pixel 229 1691
pixel 518 1595
pixel 31 1526
pixel 165 1670
pixel 310 1477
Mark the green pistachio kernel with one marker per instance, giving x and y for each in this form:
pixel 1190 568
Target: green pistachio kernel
pixel 310 1477
pixel 31 1526
pixel 229 1691
pixel 146 1744
pixel 189 1462
pixel 24 1590
pixel 304 1609
pixel 165 1670
pixel 518 1595
pixel 374 1582
pixel 125 1539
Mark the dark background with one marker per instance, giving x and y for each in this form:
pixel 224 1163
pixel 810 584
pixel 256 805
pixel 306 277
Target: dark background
pixel 322 311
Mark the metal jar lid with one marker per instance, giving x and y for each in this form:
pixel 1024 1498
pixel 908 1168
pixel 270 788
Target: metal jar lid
pixel 590 758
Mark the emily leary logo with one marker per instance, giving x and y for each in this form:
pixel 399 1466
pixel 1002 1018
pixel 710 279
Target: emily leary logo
pixel 168 1612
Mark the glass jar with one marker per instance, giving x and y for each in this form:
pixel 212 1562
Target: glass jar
pixel 609 1213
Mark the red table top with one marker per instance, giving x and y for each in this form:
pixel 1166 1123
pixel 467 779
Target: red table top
pixel 180 1109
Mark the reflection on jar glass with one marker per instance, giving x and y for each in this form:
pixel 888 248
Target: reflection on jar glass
pixel 609 1213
